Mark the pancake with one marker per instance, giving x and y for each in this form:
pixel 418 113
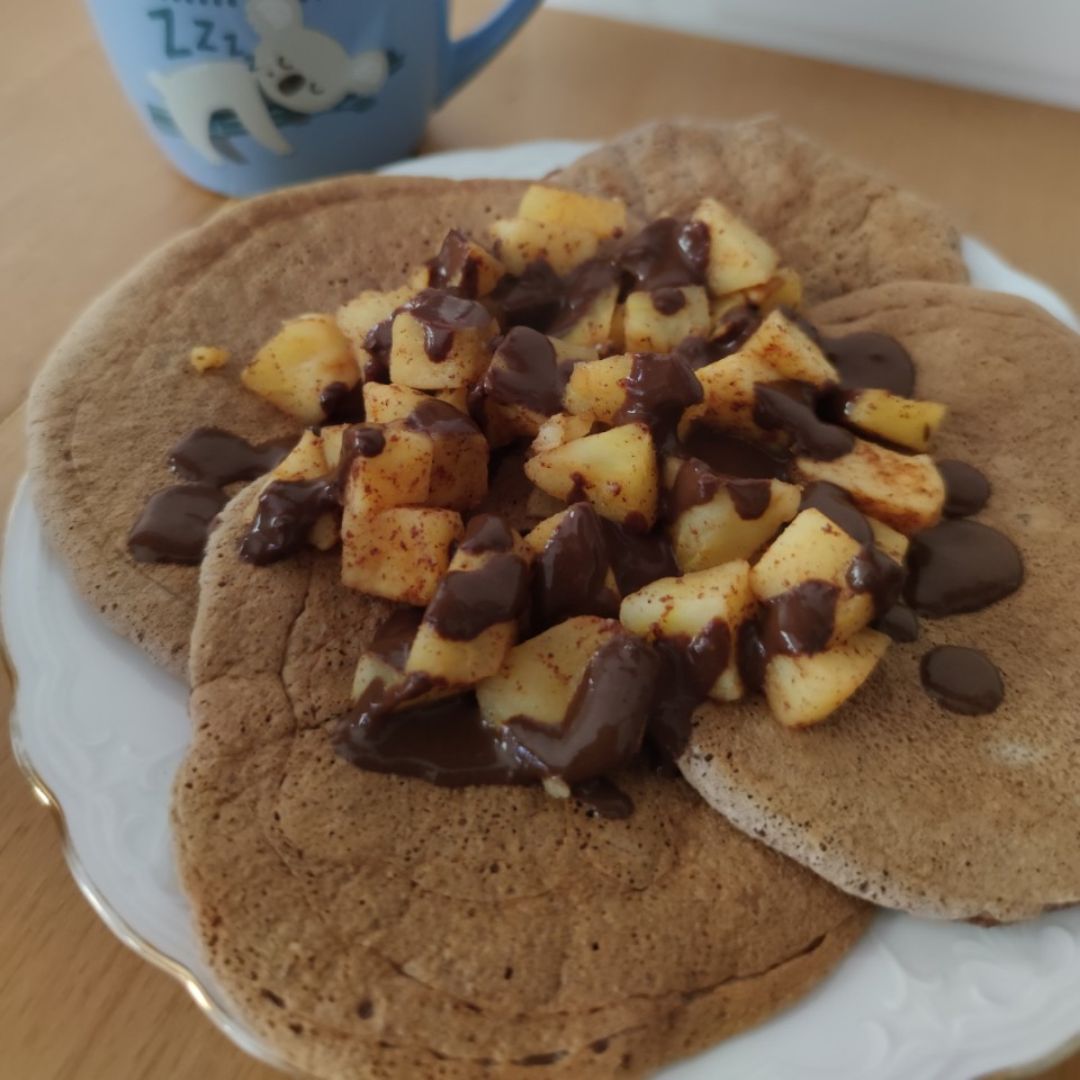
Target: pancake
pixel 840 225
pixel 369 925
pixel 118 392
pixel 893 798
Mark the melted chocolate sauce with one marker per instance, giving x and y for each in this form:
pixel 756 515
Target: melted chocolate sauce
pixel 667 254
pixel 441 419
pixel 668 302
pixel 732 456
pixel 468 602
pixel 394 637
pixel 696 484
pixel 961 566
pixel 962 680
pixel 377 345
pixel 658 391
pixel 487 533
pixel 868 360
pixel 967 490
pixel 454 267
pixel 900 623
pixel 286 511
pixel 740 324
pixel 638 558
pixel 601 798
pixel 580 288
pixel 605 721
pixel 525 371
pixel 688 670
pixel 570 574
pixel 342 404
pixel 533 299
pixel 212 456
pixel 789 406
pixel 175 524
pixel 442 314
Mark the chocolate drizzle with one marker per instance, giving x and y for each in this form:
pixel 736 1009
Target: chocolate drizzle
pixel 454 266
pixel 175 524
pixel 532 299
pixel 732 456
pixel 580 289
pixel 961 566
pixel 525 371
pixel 286 511
pixel 212 456
pixel 394 637
pixel 668 302
pixel 967 490
pixel 342 404
pixel 867 360
pixel 638 558
pixel 789 406
pixel 962 680
pixel 570 574
pixel 441 419
pixel 602 798
pixel 696 484
pixel 442 314
pixel 658 391
pixel 665 255
pixel 377 345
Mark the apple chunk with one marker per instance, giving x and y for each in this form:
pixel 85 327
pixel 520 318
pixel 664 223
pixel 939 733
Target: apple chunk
pixel 787 348
pixel 804 690
pixel 683 607
pixel 738 257
pixel 298 363
pixel 386 402
pixel 488 578
pixel 716 532
pixel 392 469
pixel 598 387
pixel 359 316
pixel 562 208
pixel 400 554
pixel 902 490
pixel 519 242
pixel 727 386
pixel 538 677
pixel 463 264
pixel 560 429
pixel 614 470
pixel 898 419
pixel 440 341
pixel 657 321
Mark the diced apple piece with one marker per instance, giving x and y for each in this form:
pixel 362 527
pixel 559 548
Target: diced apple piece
pixel 305 461
pixel 463 363
pixel 205 358
pixel 902 490
pixel 728 388
pixel 364 312
pixel 898 419
pixel 294 367
pixel 646 328
pixel 464 662
pixel 386 402
pixel 738 257
pixel 681 607
pixel 892 543
pixel 325 533
pixel 459 465
pixel 461 263
pixel 331 443
pixel 598 387
pixel 556 206
pixel 519 241
pixel 593 327
pixel 396 476
pixel 783 290
pixel 714 532
pixel 614 470
pixel 400 554
pixel 785 347
pixel 372 669
pixel 458 396
pixel 560 429
pixel 538 677
pixel 804 690
pixel 815 548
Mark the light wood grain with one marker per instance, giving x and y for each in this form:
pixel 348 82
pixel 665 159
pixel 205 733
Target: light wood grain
pixel 83 195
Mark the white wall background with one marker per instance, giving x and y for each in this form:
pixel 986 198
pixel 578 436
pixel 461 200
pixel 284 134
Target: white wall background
pixel 1024 48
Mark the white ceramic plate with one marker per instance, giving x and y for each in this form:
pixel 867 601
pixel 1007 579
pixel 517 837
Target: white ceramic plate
pixel 100 732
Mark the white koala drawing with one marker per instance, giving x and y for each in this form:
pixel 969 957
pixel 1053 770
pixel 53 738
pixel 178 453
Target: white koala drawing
pixel 302 70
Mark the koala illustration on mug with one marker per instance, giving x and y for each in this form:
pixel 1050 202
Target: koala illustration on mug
pixel 300 69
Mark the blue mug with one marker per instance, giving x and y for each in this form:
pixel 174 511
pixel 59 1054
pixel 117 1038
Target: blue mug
pixel 246 95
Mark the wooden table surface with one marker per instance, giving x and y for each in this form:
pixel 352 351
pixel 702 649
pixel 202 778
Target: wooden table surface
pixel 83 194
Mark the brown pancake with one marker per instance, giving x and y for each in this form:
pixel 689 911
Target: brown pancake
pixel 118 391
pixel 840 225
pixel 370 925
pixel 893 798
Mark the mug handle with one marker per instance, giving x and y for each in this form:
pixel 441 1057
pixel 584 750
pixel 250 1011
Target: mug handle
pixel 463 58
